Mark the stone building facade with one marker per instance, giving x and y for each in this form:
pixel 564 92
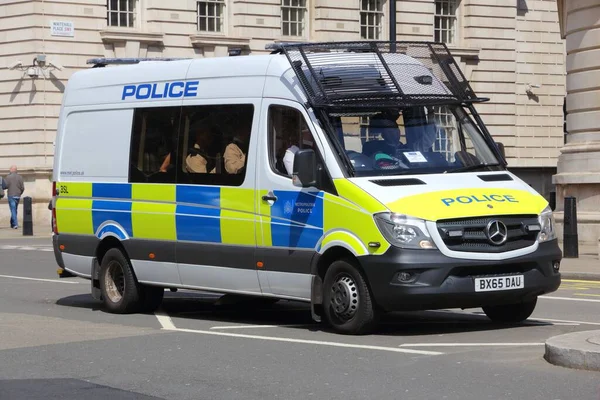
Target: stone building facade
pixel 579 162
pixel 511 51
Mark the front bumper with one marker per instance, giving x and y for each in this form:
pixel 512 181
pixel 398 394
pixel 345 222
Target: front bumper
pixel 444 282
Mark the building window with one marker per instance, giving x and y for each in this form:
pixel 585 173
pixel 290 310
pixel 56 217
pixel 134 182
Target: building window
pixel 446 136
pixel 210 15
pixel 121 13
pixel 371 17
pixel 445 21
pixel 293 17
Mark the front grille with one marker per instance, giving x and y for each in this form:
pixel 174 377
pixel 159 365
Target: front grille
pixel 469 234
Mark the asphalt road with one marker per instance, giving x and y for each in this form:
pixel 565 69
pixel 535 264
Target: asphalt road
pixel 57 342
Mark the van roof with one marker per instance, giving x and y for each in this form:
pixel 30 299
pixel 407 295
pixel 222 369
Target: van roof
pixel 340 76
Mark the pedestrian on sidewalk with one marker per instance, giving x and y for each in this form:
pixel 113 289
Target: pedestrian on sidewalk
pixel 15 188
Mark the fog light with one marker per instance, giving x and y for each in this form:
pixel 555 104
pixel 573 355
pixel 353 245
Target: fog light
pixel 406 277
pixel 556 266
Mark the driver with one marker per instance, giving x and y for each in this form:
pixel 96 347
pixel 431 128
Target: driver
pixel 387 127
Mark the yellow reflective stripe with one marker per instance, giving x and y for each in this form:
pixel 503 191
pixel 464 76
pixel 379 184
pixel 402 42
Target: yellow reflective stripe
pixel 153 192
pixel 340 214
pixel 358 196
pixel 263 228
pixel 238 199
pixel 74 189
pixel 74 216
pixel 237 216
pixel 153 221
pixel 237 228
pixel 465 203
pixel 348 239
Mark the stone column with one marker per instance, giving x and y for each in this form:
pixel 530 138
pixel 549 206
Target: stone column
pixel 579 163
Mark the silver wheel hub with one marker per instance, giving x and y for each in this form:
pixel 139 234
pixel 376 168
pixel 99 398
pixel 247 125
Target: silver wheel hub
pixel 115 282
pixel 344 297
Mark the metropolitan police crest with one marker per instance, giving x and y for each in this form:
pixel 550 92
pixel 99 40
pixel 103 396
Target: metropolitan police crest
pixel 288 207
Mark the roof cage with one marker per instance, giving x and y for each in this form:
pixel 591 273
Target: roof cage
pixel 102 62
pixel 370 74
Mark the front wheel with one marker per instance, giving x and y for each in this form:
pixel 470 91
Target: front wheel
pixel 347 301
pixel 510 313
pixel 120 291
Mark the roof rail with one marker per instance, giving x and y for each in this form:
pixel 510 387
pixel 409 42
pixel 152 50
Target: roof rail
pixel 102 62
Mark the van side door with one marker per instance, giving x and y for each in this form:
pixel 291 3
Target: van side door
pixel 290 219
pixel 215 215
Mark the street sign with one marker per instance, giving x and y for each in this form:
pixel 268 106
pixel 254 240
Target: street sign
pixel 62 28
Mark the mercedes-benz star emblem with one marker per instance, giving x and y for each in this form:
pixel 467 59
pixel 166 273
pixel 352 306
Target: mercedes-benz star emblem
pixel 497 232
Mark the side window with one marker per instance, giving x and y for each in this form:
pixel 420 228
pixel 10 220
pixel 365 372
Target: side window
pixel 288 133
pixel 214 144
pixel 153 143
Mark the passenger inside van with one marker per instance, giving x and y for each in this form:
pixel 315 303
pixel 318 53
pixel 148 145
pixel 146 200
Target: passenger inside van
pixel 420 128
pixel 202 157
pixel 236 151
pixel 306 142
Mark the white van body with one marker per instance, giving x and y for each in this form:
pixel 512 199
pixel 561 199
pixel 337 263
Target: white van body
pixel 262 232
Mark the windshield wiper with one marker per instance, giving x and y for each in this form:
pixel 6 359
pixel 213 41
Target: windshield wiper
pixel 473 167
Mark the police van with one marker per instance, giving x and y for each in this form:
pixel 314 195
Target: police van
pixel 354 176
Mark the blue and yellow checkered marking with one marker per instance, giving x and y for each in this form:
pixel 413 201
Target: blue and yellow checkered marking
pixel 298 219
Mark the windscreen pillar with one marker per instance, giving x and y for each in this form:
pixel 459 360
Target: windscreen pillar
pixel 579 162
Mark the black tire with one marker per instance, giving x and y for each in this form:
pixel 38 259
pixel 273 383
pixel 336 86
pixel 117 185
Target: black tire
pixel 152 298
pixel 510 313
pixel 121 293
pixel 347 301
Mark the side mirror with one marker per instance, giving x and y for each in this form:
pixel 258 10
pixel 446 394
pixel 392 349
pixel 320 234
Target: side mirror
pixel 305 168
pixel 501 149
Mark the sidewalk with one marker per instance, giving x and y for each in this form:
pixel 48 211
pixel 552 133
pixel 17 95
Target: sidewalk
pixel 7 233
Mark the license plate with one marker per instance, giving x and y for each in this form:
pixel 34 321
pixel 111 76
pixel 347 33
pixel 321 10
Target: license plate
pixel 499 283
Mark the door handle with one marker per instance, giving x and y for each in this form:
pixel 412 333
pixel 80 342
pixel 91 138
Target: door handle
pixel 269 198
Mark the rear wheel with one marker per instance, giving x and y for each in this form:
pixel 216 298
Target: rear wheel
pixel 347 301
pixel 511 313
pixel 120 291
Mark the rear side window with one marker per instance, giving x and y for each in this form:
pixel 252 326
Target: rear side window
pixel 214 144
pixel 154 142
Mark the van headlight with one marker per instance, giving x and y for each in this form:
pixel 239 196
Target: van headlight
pixel 404 231
pixel 548 227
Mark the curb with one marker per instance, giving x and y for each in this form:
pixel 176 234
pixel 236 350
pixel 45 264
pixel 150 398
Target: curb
pixel 575 350
pixel 580 276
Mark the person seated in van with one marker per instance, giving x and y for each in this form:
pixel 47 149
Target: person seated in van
pixel 235 152
pixel 201 157
pixel 421 129
pixel 290 153
pixel 387 127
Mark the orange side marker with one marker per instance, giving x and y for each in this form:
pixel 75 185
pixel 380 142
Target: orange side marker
pixel 260 264
pixel 62 247
pixel 152 256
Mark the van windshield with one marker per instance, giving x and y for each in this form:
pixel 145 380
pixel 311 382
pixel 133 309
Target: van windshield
pixel 413 140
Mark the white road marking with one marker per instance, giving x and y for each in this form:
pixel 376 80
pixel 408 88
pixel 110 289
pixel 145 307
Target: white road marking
pixel 27 248
pixel 569 299
pixel 467 344
pixel 167 324
pixel 260 326
pixel 165 321
pixel 566 322
pixel 38 279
